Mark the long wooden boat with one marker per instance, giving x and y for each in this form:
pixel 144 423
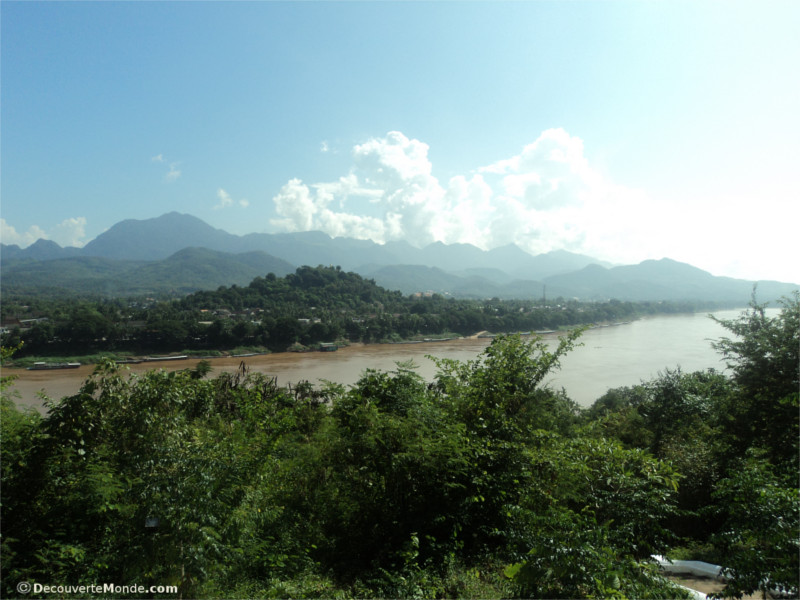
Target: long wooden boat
pixel 43 366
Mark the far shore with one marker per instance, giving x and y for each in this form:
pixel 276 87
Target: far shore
pixel 127 358
pixel 33 386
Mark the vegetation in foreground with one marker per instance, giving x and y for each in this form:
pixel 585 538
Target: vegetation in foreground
pixel 484 483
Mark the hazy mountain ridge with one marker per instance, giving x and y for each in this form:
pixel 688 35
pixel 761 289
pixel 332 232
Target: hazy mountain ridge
pixel 158 238
pixel 161 237
pixel 187 270
pixel 40 250
pixel 179 253
pixel 193 269
pixel 663 279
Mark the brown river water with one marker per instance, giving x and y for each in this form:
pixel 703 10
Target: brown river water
pixel 614 356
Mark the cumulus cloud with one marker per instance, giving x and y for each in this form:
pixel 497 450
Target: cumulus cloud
pixel 295 204
pixel 544 198
pixel 10 235
pixel 70 232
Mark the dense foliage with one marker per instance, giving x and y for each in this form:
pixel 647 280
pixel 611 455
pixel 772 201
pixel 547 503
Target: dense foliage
pixel 482 483
pixel 310 306
pixel 736 440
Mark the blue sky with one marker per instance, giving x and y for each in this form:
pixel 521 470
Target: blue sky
pixel 623 130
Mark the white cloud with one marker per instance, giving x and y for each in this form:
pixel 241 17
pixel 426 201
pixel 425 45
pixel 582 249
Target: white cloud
pixel 394 158
pixel 9 235
pixel 391 176
pixel 295 204
pixel 173 173
pixel 225 200
pixel 547 197
pixel 70 232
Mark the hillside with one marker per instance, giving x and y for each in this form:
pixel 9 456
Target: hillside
pixel 80 275
pixel 187 270
pixel 178 253
pixel 663 279
pixel 158 238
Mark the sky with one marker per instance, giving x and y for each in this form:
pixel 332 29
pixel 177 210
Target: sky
pixel 622 130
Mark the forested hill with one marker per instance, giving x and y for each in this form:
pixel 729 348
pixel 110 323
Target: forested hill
pixel 181 273
pixel 310 306
pixel 323 288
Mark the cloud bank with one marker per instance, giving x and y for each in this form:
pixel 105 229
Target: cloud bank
pixel 544 198
pixel 70 232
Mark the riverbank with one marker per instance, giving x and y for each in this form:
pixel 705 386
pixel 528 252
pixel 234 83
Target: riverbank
pixel 344 366
pixel 129 357
pixel 609 357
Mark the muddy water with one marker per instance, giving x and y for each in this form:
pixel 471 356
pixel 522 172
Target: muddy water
pixel 344 366
pixel 610 357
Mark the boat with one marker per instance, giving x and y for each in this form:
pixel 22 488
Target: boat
pixel 43 366
pixel 158 358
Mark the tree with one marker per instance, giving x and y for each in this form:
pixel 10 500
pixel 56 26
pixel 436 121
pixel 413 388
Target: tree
pixel 593 515
pixel 760 534
pixel 765 360
pixel 125 450
pixel 86 327
pixel 757 499
pixel 499 399
pixel 387 468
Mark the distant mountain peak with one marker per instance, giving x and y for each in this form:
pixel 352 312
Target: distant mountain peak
pixel 41 249
pixel 43 243
pixel 594 268
pixel 157 238
pixel 191 251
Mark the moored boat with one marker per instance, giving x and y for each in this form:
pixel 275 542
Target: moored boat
pixel 42 366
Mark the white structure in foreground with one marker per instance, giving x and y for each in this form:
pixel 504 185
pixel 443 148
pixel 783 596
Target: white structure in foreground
pixel 691 567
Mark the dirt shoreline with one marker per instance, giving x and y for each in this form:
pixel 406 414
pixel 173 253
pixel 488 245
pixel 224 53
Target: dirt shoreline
pixel 289 367
pixel 33 386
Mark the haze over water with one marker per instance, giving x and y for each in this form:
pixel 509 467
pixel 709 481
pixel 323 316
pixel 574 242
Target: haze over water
pixel 615 356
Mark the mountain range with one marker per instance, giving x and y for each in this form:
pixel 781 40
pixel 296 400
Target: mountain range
pixel 178 253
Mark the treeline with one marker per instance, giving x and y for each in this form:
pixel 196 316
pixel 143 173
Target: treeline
pixel 312 305
pixel 484 483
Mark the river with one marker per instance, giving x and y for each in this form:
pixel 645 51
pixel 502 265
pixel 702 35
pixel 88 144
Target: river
pixel 614 356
